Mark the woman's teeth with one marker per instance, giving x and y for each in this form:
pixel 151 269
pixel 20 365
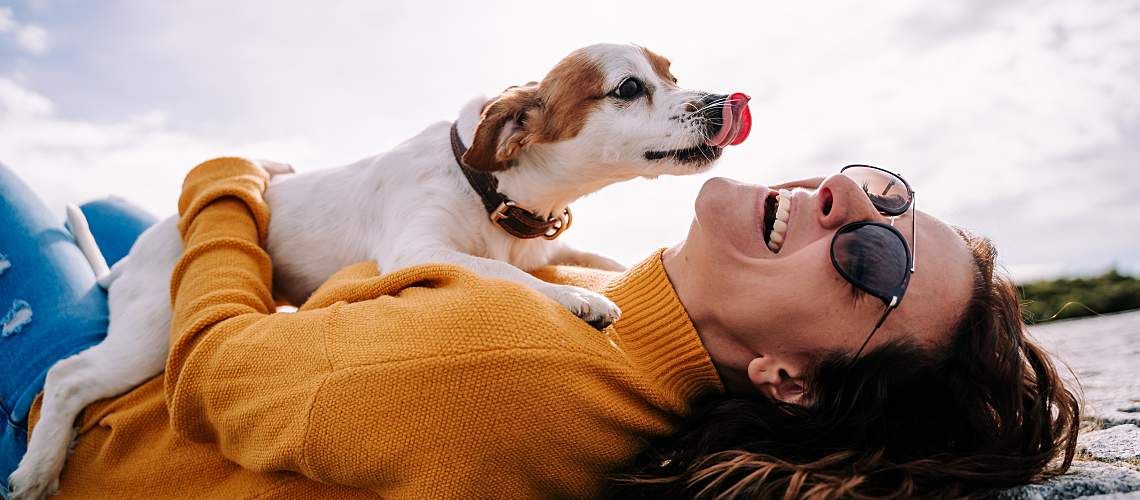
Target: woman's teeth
pixel 780 226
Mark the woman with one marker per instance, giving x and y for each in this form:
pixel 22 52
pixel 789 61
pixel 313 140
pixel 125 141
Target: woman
pixel 837 365
pixel 953 401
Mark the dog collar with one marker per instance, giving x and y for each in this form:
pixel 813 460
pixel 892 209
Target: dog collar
pixel 518 221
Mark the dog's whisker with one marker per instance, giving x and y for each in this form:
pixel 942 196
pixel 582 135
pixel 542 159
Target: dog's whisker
pixel 715 102
pixel 710 106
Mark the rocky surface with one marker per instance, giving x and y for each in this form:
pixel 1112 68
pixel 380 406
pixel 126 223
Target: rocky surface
pixel 1104 356
pixel 1121 442
pixel 1084 479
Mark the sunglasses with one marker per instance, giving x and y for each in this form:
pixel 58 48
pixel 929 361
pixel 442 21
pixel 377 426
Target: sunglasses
pixel 874 256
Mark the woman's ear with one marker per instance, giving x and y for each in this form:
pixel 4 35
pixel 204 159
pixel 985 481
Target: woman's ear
pixel 776 379
pixel 504 130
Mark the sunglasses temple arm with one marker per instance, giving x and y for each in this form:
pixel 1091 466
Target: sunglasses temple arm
pixel 913 234
pixel 877 325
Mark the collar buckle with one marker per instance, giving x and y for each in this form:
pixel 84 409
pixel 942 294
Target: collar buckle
pixel 561 224
pixel 501 212
pixel 515 220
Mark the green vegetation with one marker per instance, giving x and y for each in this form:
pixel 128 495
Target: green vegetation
pixel 1076 297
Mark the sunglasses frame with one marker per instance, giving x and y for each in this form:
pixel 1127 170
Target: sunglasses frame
pixel 893 297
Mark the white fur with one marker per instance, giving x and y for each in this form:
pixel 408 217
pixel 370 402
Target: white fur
pixel 86 241
pixel 409 206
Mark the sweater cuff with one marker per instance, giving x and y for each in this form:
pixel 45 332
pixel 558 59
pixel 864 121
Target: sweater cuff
pixel 656 332
pixel 219 178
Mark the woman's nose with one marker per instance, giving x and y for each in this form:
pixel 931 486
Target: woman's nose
pixel 842 201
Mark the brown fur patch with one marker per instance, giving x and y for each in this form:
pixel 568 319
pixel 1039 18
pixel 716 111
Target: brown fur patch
pixel 554 110
pixel 569 93
pixel 660 66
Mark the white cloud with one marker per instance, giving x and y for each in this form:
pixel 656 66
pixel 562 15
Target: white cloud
pixel 7 19
pixel 33 39
pixel 30 38
pixel 996 114
pixel 71 161
pixel 16 102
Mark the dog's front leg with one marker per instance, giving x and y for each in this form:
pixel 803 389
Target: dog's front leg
pixel 567 255
pixel 592 307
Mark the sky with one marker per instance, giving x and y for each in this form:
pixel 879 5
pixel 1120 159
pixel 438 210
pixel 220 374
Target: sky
pixel 1017 119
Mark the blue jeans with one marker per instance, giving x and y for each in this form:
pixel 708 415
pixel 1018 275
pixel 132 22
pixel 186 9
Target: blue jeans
pixel 50 305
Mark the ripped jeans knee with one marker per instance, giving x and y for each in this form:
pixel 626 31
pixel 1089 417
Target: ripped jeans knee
pixel 50 305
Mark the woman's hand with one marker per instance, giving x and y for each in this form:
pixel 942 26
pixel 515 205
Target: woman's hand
pixel 273 168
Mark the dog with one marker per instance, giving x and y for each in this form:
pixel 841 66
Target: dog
pixel 489 192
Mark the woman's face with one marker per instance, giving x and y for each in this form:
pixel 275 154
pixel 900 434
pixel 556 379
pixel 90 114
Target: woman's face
pixel 765 317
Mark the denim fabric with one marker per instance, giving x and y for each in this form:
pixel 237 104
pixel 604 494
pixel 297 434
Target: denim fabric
pixel 50 305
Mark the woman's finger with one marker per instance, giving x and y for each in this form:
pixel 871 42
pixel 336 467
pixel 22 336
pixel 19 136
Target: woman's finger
pixel 273 168
pixel 809 183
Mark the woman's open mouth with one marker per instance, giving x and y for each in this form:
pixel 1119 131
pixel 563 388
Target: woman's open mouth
pixel 770 204
pixel 777 209
pixel 701 153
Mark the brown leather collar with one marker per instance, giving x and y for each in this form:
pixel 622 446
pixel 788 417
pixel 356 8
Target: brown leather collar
pixel 518 221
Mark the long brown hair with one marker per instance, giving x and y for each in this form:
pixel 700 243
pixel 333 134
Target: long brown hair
pixel 985 411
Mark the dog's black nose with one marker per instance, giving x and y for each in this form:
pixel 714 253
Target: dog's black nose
pixel 712 109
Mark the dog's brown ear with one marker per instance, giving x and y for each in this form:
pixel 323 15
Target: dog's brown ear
pixel 504 130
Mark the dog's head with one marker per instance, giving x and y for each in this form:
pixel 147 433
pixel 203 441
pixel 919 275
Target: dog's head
pixel 611 110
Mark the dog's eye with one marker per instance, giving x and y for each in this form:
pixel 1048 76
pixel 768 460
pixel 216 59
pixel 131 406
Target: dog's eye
pixel 628 89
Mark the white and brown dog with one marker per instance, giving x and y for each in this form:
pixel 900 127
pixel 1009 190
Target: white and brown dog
pixel 489 192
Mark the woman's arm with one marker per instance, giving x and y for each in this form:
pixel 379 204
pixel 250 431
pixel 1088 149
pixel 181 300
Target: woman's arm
pixel 425 382
pixel 220 287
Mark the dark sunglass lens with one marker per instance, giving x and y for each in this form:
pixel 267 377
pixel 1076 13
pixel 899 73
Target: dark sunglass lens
pixel 887 191
pixel 873 257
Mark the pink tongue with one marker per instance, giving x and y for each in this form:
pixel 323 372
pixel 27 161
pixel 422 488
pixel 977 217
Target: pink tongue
pixel 743 123
pixel 737 122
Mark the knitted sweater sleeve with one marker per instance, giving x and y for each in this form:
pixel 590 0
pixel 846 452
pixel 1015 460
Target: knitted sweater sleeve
pixel 430 382
pixel 219 288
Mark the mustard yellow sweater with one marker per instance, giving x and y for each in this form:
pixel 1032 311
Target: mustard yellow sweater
pixel 429 382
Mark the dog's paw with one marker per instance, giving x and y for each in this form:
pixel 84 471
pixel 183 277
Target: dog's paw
pixel 592 307
pixel 28 483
